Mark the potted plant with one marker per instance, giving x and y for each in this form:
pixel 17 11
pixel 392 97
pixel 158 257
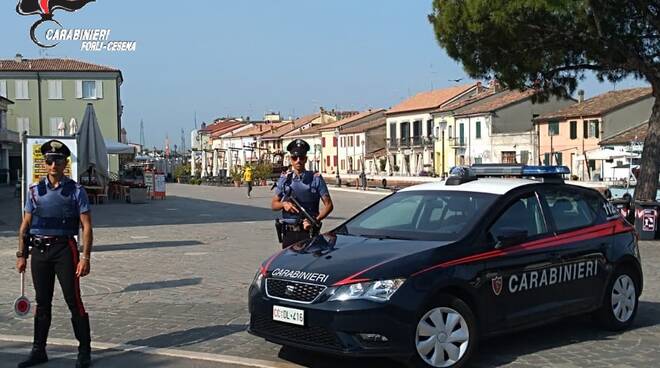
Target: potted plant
pixel 181 172
pixel 236 175
pixel 262 172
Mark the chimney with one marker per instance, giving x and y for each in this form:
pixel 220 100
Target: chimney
pixel 495 85
pixel 18 58
pixel 581 96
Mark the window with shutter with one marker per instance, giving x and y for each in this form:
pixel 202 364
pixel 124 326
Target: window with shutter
pixel 553 128
pixel 478 130
pixel 524 157
pixel 55 90
pixel 573 129
pixel 558 158
pixel 22 90
pixel 335 161
pixel 3 88
pixel 89 89
pixel 334 141
pixel 327 160
pixel 546 159
pixel 23 125
pixel 585 129
pixel 323 142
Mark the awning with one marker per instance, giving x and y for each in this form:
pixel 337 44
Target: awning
pixel 117 148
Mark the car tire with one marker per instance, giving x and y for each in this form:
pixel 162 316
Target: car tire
pixel 457 342
pixel 621 300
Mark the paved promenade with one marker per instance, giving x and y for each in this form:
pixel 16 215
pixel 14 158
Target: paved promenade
pixel 169 288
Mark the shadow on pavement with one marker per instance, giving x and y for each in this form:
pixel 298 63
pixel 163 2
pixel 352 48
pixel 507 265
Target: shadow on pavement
pixel 189 337
pixel 177 211
pixel 163 284
pixel 147 245
pixel 500 350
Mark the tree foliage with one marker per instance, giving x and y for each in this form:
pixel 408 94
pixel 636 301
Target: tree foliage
pixel 550 44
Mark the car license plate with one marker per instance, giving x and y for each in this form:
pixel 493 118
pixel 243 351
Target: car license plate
pixel 289 315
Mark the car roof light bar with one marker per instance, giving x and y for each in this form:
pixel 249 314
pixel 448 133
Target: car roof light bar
pixel 481 170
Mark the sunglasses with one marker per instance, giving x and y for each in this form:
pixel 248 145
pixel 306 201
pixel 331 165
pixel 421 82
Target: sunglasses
pixel 56 161
pixel 296 158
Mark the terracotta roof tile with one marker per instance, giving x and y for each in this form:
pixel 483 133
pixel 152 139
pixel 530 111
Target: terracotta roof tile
pixel 465 101
pixel 625 137
pixel 52 65
pixel 600 104
pixel 259 129
pixel 351 119
pixel 289 127
pixel 429 100
pixel 363 127
pixel 496 102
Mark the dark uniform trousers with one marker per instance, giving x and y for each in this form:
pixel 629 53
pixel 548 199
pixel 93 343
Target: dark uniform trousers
pixel 58 259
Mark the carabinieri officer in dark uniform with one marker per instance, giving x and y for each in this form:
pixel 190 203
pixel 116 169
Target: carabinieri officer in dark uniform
pixel 308 188
pixel 55 209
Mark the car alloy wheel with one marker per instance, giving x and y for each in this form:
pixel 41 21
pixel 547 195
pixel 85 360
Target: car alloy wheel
pixel 624 298
pixel 442 337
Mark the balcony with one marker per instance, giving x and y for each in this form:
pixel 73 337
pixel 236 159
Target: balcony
pixel 457 142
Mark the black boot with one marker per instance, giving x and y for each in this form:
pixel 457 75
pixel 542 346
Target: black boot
pixel 41 327
pixel 81 330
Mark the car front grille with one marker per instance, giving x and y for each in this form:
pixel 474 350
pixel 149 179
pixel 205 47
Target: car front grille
pixel 263 324
pixel 293 291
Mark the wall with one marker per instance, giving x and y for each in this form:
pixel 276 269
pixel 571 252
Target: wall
pixel 518 117
pixel 627 116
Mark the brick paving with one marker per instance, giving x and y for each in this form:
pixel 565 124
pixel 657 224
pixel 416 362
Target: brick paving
pixel 174 273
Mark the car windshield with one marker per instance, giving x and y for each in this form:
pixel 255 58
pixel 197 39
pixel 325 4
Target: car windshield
pixel 421 215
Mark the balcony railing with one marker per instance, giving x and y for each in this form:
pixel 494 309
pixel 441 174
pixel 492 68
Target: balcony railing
pixel 457 142
pixel 408 142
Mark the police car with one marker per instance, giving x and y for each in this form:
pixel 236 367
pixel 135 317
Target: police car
pixel 426 272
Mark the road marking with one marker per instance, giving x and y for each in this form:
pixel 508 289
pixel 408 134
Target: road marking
pixel 195 253
pixel 217 358
pixel 172 209
pixel 139 237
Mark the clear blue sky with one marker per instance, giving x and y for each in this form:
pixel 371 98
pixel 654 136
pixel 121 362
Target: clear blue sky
pixel 245 57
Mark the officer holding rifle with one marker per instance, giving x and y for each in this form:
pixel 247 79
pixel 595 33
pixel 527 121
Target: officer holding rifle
pixel 297 195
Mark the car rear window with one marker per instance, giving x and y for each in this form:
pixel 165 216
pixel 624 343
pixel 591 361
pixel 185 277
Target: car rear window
pixel 421 215
pixel 570 210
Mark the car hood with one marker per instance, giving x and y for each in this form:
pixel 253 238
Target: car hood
pixel 332 259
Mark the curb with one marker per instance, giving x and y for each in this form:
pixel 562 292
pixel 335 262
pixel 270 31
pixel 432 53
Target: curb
pixel 217 358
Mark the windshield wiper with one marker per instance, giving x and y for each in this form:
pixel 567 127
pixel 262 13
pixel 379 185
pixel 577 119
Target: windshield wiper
pixel 389 237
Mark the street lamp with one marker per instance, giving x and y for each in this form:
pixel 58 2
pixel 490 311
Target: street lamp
pixel 443 126
pixel 337 164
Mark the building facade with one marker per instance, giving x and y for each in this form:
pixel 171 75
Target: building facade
pixel 565 135
pixel 48 93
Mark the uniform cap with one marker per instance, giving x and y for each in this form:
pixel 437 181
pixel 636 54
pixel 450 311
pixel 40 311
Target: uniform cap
pixel 298 147
pixel 55 148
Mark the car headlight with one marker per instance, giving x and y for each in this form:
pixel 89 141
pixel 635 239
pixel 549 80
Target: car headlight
pixel 379 291
pixel 258 278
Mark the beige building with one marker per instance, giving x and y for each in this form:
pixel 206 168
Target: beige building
pixel 564 136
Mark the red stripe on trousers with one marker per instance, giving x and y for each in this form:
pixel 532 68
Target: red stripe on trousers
pixel 76 279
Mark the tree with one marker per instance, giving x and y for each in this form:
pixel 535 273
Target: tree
pixel 550 44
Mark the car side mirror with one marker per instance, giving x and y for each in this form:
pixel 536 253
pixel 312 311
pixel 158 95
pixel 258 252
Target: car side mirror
pixel 510 236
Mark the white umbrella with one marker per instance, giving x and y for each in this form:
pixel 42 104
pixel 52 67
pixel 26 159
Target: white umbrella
pixel 61 128
pixel 92 152
pixel 73 126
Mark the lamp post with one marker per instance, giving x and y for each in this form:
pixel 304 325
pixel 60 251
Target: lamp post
pixel 337 164
pixel 443 126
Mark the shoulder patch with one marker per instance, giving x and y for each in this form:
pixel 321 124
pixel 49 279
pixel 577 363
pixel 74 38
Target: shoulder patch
pixel 33 185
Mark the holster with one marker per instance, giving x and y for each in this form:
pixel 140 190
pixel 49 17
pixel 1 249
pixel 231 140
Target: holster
pixel 279 229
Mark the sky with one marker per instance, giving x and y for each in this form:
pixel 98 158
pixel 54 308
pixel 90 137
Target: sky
pixel 215 58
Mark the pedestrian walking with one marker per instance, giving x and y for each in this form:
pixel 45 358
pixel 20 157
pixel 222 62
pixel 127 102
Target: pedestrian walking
pixel 247 178
pixel 363 180
pixel 308 188
pixel 55 209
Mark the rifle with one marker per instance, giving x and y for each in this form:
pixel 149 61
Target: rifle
pixel 314 230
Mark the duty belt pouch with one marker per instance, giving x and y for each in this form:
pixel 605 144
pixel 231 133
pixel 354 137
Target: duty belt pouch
pixel 279 229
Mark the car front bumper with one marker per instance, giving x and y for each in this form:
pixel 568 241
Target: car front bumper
pixel 334 327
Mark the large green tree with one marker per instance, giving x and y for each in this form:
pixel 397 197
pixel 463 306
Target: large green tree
pixel 550 44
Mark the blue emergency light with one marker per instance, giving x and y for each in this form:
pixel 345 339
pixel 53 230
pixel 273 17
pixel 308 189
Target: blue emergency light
pixel 464 174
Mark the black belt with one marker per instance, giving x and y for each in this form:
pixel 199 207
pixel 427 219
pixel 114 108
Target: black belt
pixel 45 241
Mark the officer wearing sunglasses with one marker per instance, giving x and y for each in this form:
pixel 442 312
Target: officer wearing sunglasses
pixel 308 188
pixel 55 209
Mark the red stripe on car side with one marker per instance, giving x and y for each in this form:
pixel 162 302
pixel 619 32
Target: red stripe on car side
pixel 352 279
pixel 606 229
pixel 264 268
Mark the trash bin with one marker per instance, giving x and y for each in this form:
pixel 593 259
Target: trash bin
pixel 646 219
pixel 624 207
